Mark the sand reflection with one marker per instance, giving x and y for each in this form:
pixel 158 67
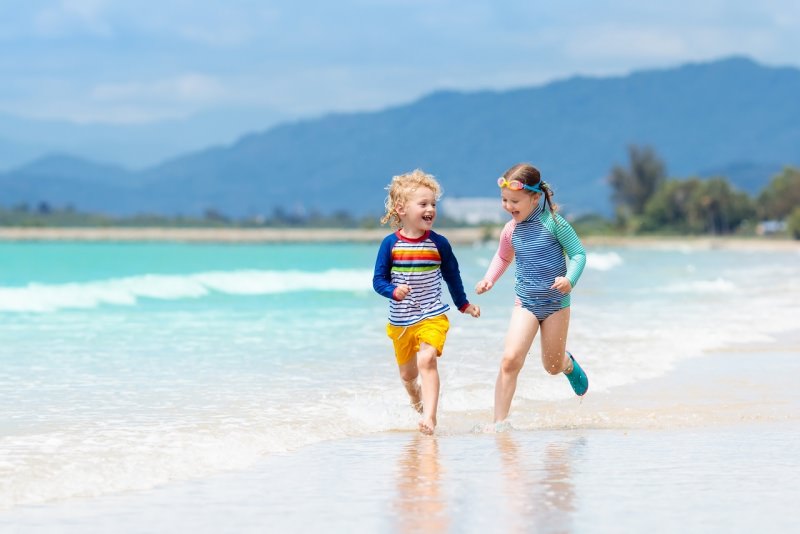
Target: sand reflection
pixel 539 487
pixel 420 505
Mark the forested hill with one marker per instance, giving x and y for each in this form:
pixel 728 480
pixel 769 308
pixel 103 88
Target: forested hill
pixel 732 116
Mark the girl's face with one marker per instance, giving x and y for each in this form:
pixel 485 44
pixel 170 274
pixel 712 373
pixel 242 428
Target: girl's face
pixel 418 212
pixel 520 204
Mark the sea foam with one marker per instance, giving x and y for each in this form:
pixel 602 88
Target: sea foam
pixel 128 291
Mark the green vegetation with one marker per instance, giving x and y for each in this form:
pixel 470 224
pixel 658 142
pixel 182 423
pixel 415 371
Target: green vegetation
pixel 633 186
pixel 697 206
pixel 793 224
pixel 781 197
pixel 43 215
pixel 646 202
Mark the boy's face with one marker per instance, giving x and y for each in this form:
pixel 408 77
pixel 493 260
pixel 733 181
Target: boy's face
pixel 418 212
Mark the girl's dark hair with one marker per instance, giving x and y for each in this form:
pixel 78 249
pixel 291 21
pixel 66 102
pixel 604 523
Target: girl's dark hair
pixel 530 175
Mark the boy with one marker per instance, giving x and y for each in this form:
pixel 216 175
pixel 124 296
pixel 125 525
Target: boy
pixel 409 269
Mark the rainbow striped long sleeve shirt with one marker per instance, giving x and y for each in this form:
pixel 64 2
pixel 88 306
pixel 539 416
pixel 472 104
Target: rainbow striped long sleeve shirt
pixel 420 263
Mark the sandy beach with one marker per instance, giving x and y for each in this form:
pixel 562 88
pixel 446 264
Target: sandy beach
pixel 465 235
pixel 709 447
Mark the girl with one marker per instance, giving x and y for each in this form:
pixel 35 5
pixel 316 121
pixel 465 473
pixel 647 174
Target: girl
pixel 538 239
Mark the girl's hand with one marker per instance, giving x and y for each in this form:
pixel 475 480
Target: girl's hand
pixel 483 286
pixel 562 284
pixel 473 310
pixel 401 291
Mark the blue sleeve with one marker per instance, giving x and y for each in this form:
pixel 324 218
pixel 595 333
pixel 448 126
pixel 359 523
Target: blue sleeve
pixel 450 271
pixel 382 277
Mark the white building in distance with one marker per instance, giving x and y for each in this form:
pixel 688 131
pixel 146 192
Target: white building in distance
pixel 475 210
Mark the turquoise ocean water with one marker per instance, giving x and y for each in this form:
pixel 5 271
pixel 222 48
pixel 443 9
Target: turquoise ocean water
pixel 127 366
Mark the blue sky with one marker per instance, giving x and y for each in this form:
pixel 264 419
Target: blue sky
pixel 133 61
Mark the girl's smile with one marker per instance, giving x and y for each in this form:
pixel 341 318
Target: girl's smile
pixel 520 204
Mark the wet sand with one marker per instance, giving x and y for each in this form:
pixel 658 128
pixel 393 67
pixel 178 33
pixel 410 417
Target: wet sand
pixel 709 447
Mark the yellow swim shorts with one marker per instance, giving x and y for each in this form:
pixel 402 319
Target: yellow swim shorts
pixel 407 339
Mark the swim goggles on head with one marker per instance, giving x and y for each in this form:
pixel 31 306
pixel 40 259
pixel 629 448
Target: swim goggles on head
pixel 516 185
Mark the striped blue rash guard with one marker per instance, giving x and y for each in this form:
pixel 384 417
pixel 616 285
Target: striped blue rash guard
pixel 420 263
pixel 541 246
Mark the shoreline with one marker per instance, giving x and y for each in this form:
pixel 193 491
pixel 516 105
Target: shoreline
pixel 709 435
pixel 466 235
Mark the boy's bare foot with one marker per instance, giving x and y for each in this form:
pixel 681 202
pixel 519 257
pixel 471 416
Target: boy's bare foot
pixel 417 406
pixel 427 426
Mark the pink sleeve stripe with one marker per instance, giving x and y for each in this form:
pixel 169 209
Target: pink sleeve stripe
pixel 504 255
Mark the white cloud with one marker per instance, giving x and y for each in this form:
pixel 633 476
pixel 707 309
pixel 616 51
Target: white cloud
pixel 72 16
pixel 187 87
pixel 130 102
pixel 313 56
pixel 215 25
pixel 617 43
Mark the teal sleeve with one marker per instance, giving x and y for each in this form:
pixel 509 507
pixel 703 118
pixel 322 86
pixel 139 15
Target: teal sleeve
pixel 571 244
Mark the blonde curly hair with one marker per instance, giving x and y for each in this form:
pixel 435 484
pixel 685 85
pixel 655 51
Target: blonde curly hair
pixel 400 191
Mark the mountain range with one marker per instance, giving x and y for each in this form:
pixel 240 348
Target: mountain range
pixel 732 117
pixel 131 145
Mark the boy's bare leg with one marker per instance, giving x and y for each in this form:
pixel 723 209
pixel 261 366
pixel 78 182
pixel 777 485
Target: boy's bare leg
pixel 521 330
pixel 414 393
pixel 409 374
pixel 429 373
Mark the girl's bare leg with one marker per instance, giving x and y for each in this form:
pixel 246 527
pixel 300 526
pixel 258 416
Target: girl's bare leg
pixel 429 373
pixel 521 332
pixel 554 342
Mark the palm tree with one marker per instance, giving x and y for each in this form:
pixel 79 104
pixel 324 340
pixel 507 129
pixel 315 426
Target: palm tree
pixel 633 186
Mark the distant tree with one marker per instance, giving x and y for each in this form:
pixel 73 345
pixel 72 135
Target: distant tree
pixel 793 223
pixel 633 186
pixel 724 208
pixel 214 216
pixel 697 206
pixel 781 195
pixel 341 218
pixel 370 222
pixel 592 224
pixel 667 209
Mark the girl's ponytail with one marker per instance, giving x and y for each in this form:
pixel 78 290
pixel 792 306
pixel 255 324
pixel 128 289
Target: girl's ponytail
pixel 548 198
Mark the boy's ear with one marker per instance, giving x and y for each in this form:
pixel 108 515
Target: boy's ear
pixel 400 208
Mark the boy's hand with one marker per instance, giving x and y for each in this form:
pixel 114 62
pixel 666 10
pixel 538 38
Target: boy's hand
pixel 401 291
pixel 483 286
pixel 562 284
pixel 473 310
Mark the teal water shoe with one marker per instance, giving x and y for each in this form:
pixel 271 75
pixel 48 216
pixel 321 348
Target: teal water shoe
pixel 577 378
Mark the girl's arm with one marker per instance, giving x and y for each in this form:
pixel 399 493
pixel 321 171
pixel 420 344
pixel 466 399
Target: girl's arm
pixel 573 247
pixel 502 258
